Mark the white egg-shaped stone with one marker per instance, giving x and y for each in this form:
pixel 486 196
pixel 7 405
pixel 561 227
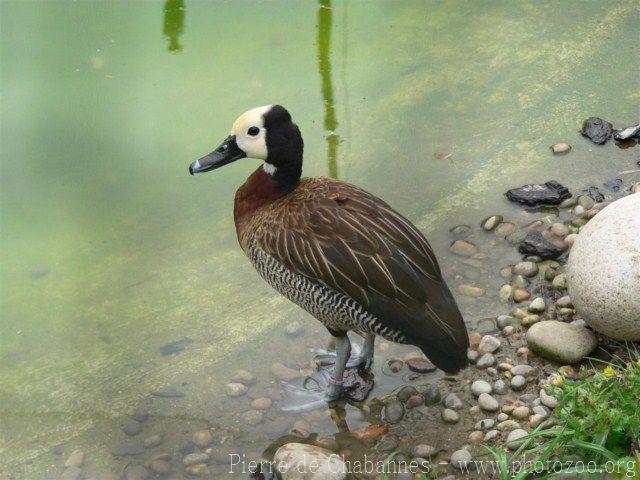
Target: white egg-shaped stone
pixel 603 271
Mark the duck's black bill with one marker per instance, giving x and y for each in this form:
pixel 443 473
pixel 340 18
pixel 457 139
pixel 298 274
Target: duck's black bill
pixel 227 152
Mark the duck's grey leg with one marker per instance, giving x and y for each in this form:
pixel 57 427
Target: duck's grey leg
pixel 343 351
pixel 364 358
pixel 367 351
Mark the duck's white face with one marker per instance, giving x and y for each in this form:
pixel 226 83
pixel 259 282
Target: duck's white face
pixel 250 134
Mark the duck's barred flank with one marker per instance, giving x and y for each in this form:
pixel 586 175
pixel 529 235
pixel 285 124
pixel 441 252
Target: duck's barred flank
pixel 336 311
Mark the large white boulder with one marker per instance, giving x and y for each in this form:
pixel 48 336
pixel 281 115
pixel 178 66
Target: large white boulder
pixel 298 461
pixel 603 271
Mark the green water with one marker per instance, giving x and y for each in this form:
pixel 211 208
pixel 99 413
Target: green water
pixel 109 249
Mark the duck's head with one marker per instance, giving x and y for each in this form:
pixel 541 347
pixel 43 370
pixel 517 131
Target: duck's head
pixel 265 133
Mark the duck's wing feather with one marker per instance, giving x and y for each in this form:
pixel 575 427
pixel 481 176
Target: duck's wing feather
pixel 353 242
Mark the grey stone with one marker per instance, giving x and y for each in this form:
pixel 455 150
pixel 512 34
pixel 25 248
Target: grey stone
pixel 488 344
pixel 561 342
pixel 452 401
pixel 524 370
pixel 485 361
pixel 491 435
pixel 515 438
pixel 488 403
pixel 480 386
pixel 526 269
pixel 485 424
pixel 499 387
pixel 460 458
pixel 193 458
pixel 518 382
pixel 393 411
pixel 450 416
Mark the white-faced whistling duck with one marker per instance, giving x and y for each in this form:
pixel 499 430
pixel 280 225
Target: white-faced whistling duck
pixel 337 251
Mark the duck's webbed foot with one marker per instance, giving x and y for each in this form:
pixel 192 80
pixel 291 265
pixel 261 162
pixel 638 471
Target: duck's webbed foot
pixel 327 384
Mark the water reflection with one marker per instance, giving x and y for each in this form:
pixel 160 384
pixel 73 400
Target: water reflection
pixel 325 13
pixel 174 23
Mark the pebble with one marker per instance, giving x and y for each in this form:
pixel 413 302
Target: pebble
pixel 526 269
pixel 558 148
pixel 508 330
pixel 504 229
pixel 161 467
pixel 431 394
pixel 140 414
pixel 460 231
pixel 491 222
pixel 475 410
pixel 485 361
pixel 474 340
pixel 460 458
pixel 570 239
pixel 488 403
pixel 586 202
pixel 520 295
pixel 540 410
pixel 244 377
pixel 480 386
pixel 393 411
pixel 75 459
pixel 521 412
pixel 197 470
pixel 568 202
pixel 488 344
pixel 293 329
pixel 507 321
pixel 420 365
pixel 523 370
pixel 476 437
pixel 472 356
pixel 535 420
pixel 506 292
pixel 506 425
pixel 136 472
pixel 236 389
pixel 452 401
pixel 485 424
pixel 515 438
pixel 548 400
pixel 470 290
pixel 284 373
pixel 424 450
pixel 195 458
pixel 463 248
pixel 537 305
pixel 499 387
pixel 564 302
pixel 261 403
pixel 530 320
pixel 450 416
pixel 406 392
pixel 152 441
pixel 414 401
pixel 559 282
pixel 253 417
pixel 518 382
pixel 491 435
pixel 202 438
pixel 131 427
pixel 559 230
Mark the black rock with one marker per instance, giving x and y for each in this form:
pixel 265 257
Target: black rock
pixel 535 244
pixel 532 195
pixel 174 347
pixel 127 449
pixel 596 129
pixel 627 133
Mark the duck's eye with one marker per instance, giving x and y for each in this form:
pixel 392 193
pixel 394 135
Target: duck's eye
pixel 253 131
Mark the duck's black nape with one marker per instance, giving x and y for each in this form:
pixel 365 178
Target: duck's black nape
pixel 284 146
